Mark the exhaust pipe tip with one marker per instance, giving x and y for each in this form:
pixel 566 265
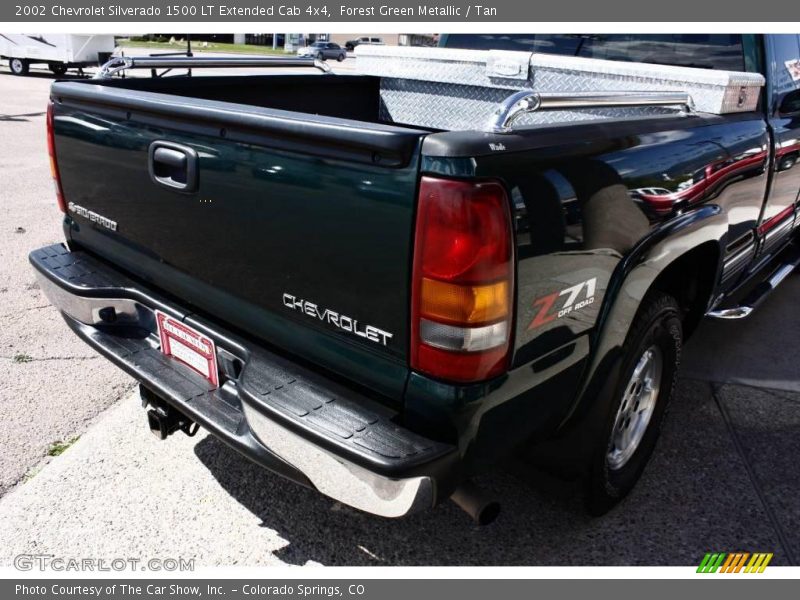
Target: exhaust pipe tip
pixel 478 504
pixel 488 514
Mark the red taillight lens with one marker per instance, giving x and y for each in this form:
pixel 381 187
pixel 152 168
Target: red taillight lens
pixel 51 151
pixel 463 280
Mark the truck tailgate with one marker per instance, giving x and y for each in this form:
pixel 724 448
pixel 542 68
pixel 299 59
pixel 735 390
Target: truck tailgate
pixel 296 228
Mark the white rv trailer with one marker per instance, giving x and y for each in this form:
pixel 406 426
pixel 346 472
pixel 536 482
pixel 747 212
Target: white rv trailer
pixel 58 51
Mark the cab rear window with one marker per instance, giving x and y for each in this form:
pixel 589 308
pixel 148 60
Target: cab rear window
pixel 703 51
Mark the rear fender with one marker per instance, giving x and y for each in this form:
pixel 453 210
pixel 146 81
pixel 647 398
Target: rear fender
pixel 630 283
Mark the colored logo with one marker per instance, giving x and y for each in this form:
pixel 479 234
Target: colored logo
pixel 550 307
pixel 736 562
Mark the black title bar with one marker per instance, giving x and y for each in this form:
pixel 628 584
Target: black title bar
pixel 355 11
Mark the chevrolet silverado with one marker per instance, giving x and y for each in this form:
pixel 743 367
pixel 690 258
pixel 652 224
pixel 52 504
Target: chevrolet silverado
pixel 380 310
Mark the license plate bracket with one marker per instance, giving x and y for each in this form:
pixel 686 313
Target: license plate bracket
pixel 188 346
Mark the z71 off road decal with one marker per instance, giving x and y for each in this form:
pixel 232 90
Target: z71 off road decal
pixel 552 306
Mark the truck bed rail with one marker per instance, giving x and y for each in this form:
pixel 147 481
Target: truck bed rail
pixel 525 101
pixel 122 63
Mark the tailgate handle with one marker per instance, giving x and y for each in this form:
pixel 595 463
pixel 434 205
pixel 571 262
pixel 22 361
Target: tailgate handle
pixel 173 166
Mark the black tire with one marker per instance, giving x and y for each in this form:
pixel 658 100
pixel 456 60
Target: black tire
pixel 341 57
pixel 787 163
pixel 58 68
pixel 320 56
pixel 656 329
pixel 18 66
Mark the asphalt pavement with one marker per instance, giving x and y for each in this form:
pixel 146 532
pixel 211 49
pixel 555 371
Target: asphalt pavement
pixel 725 475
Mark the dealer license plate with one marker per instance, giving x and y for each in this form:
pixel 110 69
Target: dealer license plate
pixel 187 345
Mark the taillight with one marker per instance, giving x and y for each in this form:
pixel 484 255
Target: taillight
pixel 51 151
pixel 463 280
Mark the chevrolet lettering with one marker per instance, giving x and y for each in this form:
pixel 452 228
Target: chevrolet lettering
pixel 343 322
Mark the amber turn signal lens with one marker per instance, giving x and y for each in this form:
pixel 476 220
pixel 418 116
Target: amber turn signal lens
pixel 463 304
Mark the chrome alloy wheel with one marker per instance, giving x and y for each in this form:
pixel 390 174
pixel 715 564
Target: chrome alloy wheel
pixel 636 408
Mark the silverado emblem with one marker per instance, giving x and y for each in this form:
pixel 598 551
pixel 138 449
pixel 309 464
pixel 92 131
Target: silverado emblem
pixel 92 216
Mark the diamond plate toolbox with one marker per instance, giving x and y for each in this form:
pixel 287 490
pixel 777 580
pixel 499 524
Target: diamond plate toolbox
pixel 456 89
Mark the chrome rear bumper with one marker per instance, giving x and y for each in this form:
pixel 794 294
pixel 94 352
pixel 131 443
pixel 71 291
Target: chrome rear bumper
pixel 279 414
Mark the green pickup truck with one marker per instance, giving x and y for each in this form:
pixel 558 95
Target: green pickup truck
pixel 380 310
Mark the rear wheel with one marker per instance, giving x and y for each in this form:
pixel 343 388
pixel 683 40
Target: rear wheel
pixel 19 66
pixel 341 57
pixel 642 396
pixel 58 68
pixel 787 162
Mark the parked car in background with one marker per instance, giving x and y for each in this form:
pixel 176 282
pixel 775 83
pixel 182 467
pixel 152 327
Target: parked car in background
pixel 373 41
pixel 323 51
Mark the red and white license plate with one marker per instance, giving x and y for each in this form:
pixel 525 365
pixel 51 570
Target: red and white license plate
pixel 188 346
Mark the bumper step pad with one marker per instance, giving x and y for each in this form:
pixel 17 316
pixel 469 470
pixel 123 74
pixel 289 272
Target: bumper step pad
pixel 342 416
